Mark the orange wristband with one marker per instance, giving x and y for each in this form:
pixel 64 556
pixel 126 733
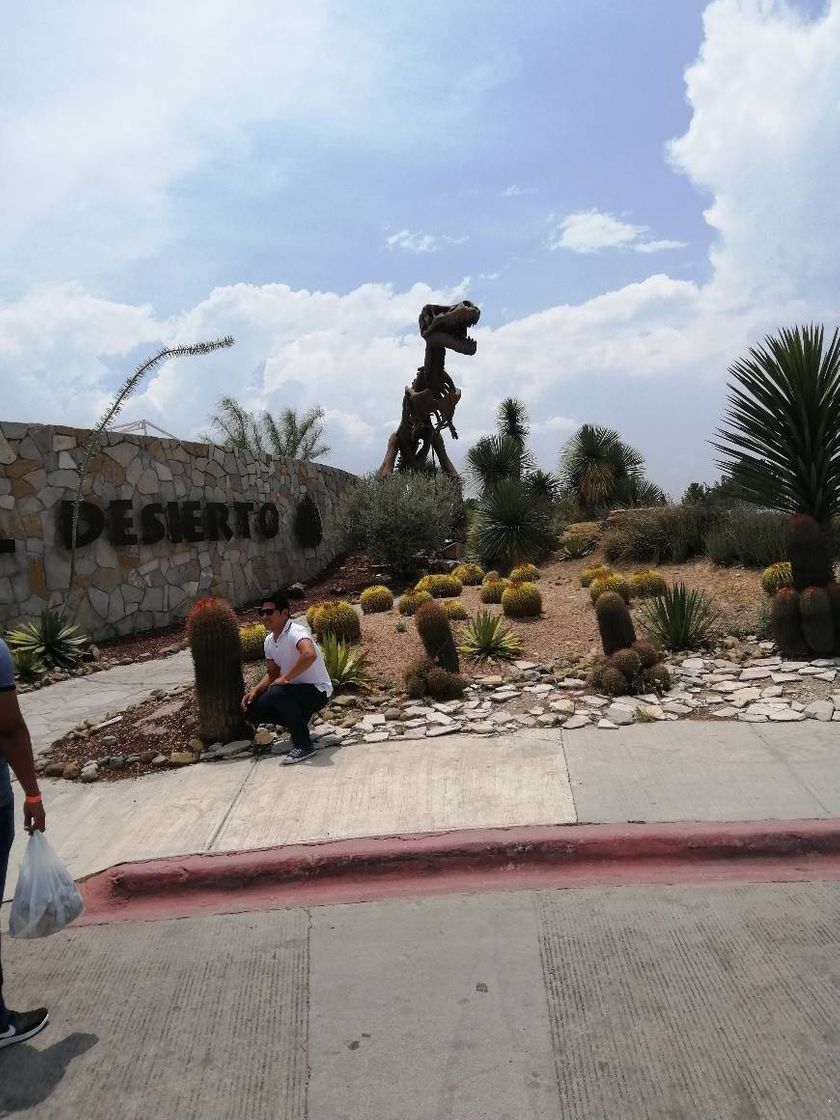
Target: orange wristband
pixel 36 800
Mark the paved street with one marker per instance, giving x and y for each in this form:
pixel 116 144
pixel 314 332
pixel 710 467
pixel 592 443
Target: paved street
pixel 627 1003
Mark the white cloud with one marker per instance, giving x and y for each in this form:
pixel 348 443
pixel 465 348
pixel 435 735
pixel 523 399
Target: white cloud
pixel 589 231
pixel 421 242
pixel 516 192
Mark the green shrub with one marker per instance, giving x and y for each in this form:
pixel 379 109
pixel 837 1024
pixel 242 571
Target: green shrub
pixel 492 592
pixel 400 518
pixel 776 576
pixel 252 639
pixel 335 616
pixel 55 643
pixel 667 534
pixel 440 585
pixel 597 571
pixel 376 599
pixel 346 666
pixel 469 574
pixel 409 602
pixel 522 600
pixel 754 538
pixel 615 582
pixel 510 528
pixel 573 547
pixel 525 573
pixel 681 618
pixel 488 636
pixel 27 665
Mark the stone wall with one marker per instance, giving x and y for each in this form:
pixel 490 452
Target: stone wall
pixel 166 521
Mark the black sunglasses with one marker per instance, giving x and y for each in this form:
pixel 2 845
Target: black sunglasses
pixel 263 611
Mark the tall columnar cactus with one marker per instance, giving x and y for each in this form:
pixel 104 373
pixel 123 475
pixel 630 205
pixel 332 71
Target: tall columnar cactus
pixel 808 551
pixel 817 621
pixel 213 634
pixel 833 591
pixel 786 622
pixel 614 622
pixel 434 628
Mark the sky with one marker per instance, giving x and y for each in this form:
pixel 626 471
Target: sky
pixel 633 191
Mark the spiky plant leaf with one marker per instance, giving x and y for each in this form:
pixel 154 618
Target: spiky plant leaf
pixel 50 639
pixel 345 665
pixel 510 528
pixel 486 636
pixel 594 463
pixel 679 618
pixel 494 459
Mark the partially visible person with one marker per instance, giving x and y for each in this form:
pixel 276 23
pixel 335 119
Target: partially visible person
pixel 296 684
pixel 16 751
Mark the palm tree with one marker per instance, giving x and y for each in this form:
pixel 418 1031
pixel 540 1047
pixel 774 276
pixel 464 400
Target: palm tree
pixel 286 436
pixel 596 465
pixel 783 435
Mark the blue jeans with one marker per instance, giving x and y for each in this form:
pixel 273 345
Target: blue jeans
pixel 7 835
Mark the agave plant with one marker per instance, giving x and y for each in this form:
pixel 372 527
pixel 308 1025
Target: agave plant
pixel 510 528
pixel 345 665
pixel 28 665
pixel 783 435
pixel 679 618
pixel 486 636
pixel 51 639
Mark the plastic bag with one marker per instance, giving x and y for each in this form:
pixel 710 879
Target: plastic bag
pixel 46 898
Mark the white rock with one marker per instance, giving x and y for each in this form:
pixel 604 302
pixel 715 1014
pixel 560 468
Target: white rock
pixel 607 725
pixel 434 732
pixel 743 695
pixel 372 720
pixel 575 722
pixel 772 690
pixel 790 716
pixel 650 711
pixel 595 701
pixel 618 716
pixel 823 710
pixel 525 665
pixel 750 717
pixel 757 674
pixel 376 737
pixel 562 707
pixel 439 718
pixel 726 712
pixel 673 708
pixel 694 664
pixel 784 678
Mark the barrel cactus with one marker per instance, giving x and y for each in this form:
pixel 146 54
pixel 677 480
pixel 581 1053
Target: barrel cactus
pixel 213 636
pixel 424 678
pixel 435 630
pixel 833 591
pixel 374 600
pixel 646 584
pixel 786 622
pixel 614 622
pixel 522 600
pixel 808 551
pixel 616 582
pixel 409 602
pixel 491 592
pixel 817 621
pixel 469 574
pixel 440 585
pixel 525 573
pixel 597 571
pixel 776 576
pixel 455 609
pixel 252 640
pixel 491 577
pixel 337 617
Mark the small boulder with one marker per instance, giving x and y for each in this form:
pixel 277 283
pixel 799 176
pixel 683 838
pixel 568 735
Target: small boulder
pixel 147 757
pixel 54 770
pixel 116 762
pixel 160 760
pixel 72 770
pixel 263 737
pixel 182 758
pixel 90 772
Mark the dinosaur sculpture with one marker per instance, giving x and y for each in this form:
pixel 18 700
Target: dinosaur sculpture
pixel 429 402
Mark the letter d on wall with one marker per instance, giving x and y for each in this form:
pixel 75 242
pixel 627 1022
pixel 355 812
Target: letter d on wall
pixel 91 523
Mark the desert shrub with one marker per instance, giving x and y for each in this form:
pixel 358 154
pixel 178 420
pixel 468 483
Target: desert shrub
pixel 345 665
pixel 27 664
pixel 776 576
pixel 252 638
pixel 376 599
pixel 754 538
pixel 615 582
pixel 440 585
pixel 681 618
pixel 510 528
pixel 522 600
pixel 597 571
pixel 455 609
pixel 55 642
pixel 646 583
pixel 589 530
pixel 524 573
pixel 409 602
pixel 573 546
pixel 488 636
pixel 667 534
pixel 469 574
pixel 400 518
pixel 492 592
pixel 335 616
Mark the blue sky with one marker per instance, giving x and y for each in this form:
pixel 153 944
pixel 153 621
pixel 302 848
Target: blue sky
pixel 632 190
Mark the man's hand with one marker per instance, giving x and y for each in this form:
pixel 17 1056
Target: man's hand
pixel 34 817
pixel 248 698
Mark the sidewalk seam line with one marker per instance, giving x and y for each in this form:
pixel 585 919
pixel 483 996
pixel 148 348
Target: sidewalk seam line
pixel 218 830
pixel 569 776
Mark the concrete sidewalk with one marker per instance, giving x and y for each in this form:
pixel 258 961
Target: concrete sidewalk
pixel 679 771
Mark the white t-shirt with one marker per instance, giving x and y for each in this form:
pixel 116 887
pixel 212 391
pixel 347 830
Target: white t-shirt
pixel 285 654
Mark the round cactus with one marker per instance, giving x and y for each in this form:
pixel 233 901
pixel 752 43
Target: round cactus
pixel 808 551
pixel 409 602
pixel 628 662
pixel 656 678
pixel 374 600
pixel 469 574
pixel 615 582
pixel 614 682
pixel 646 584
pixel 336 617
pixel 776 576
pixel 525 573
pixel 440 585
pixel 491 577
pixel 597 571
pixel 648 654
pixel 492 592
pixel 442 685
pixel 252 641
pixel 817 621
pixel 522 600
pixel 456 610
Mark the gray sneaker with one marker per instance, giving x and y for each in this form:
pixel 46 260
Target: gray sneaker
pixel 298 754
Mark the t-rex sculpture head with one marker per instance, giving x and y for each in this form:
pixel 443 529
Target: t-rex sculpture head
pixel 447 326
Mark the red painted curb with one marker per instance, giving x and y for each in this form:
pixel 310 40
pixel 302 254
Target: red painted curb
pixel 211 879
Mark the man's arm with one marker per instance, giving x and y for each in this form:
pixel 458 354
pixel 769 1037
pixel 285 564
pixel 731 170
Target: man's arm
pixel 16 748
pixel 272 672
pixel 308 657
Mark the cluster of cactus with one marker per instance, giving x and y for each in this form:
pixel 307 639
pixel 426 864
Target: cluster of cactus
pixel 409 602
pixel 805 617
pixel 424 677
pixel 469 574
pixel 374 600
pixel 776 577
pixel 435 630
pixel 252 641
pixel 522 600
pixel 440 585
pixel 455 609
pixel 596 571
pixel 646 583
pixel 628 666
pixel 491 590
pixel 213 636
pixel 615 582
pixel 336 617
pixel 525 573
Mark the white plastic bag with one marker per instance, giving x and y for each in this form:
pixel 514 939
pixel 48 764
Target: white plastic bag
pixel 46 898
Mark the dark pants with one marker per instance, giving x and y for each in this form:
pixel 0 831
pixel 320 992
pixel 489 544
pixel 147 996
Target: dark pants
pixel 293 705
pixel 7 834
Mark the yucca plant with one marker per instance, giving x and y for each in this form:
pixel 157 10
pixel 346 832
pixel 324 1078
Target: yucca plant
pixel 28 665
pixel 495 459
pixel 53 641
pixel 596 465
pixel 510 528
pixel 783 435
pixel 487 636
pixel 345 665
pixel 680 618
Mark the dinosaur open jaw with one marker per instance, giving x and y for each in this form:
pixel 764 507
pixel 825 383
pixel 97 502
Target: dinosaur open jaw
pixel 449 326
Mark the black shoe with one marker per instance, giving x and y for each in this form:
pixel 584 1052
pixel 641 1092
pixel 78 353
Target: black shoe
pixel 23 1025
pixel 297 754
